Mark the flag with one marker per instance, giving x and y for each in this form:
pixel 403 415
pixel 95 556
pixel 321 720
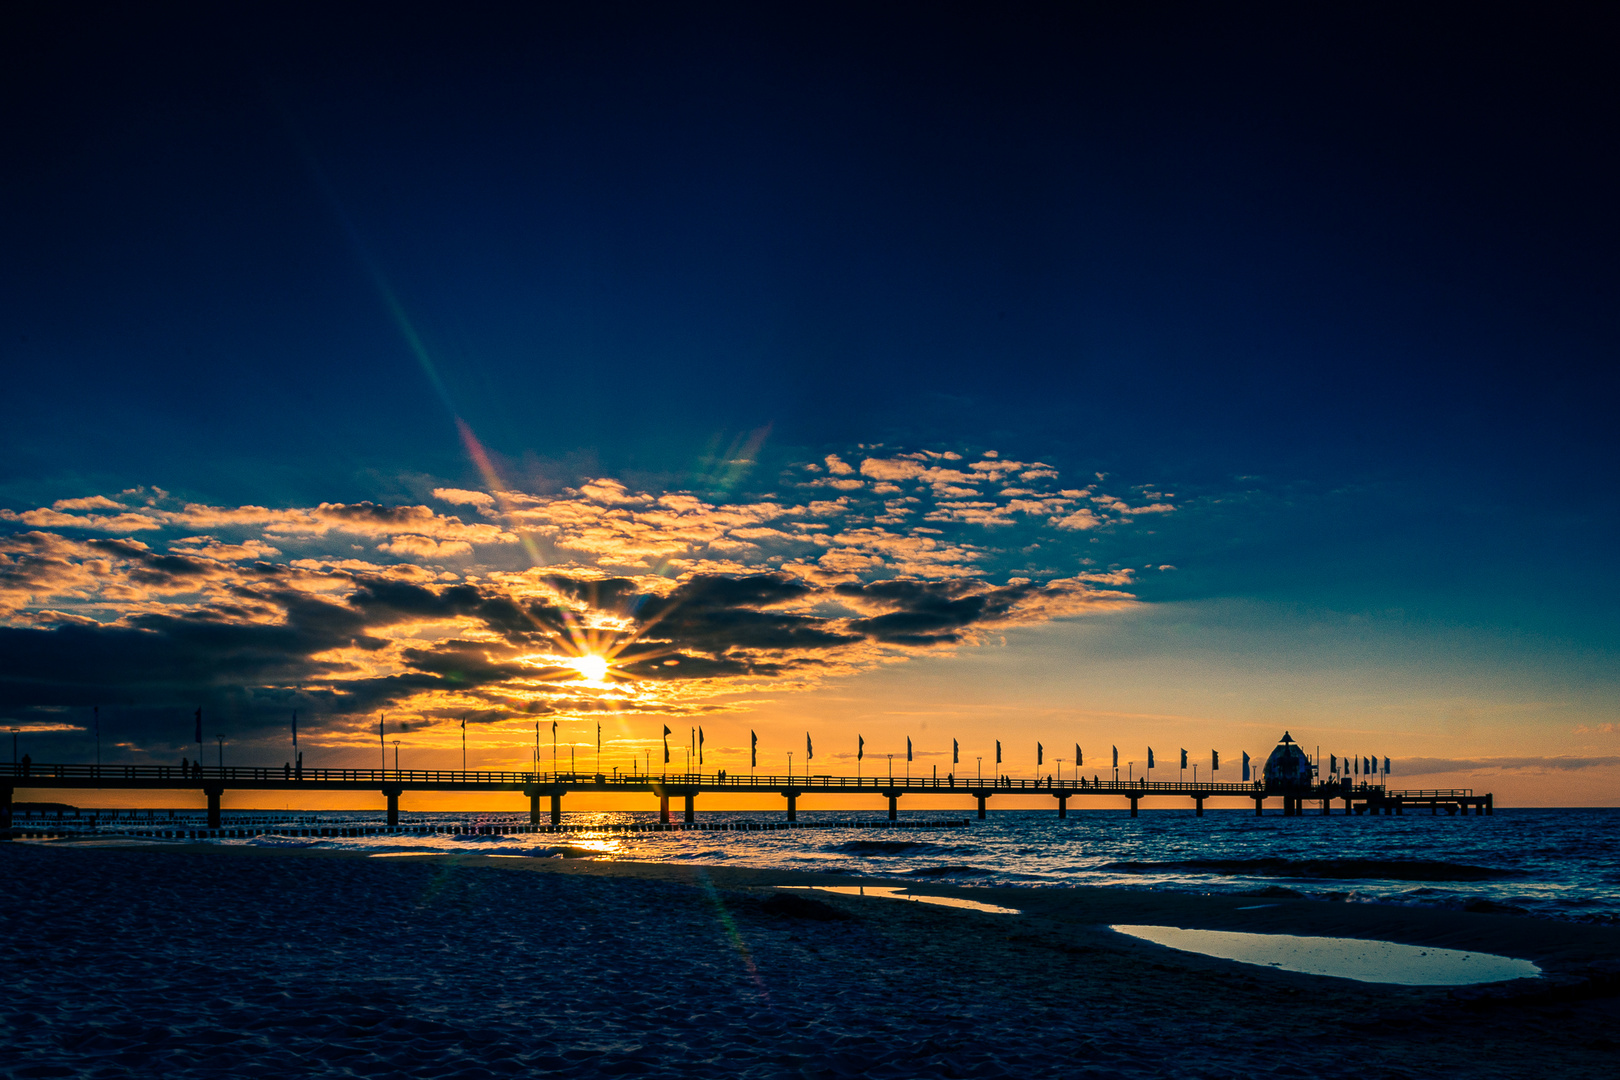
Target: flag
pixel 382 740
pixel 1214 761
pixel 1078 760
pixel 1245 766
pixel 198 739
pixel 1333 764
pixel 666 744
pixel 1116 757
pixel 700 746
pixel 809 748
pixel 1040 753
pixel 1386 766
pixel 1150 757
pixel 998 751
pixel 908 747
pixel 955 752
pixel 1366 767
pixel 1184 757
pixel 860 748
pixel 753 749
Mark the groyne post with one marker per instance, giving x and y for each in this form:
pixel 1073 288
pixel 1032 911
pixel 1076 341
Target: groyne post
pixel 393 805
pixel 213 793
pixel 690 808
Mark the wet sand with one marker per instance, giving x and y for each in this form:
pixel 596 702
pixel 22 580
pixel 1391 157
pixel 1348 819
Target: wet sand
pixel 191 960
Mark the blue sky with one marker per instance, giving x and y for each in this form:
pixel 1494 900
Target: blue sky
pixel 1336 288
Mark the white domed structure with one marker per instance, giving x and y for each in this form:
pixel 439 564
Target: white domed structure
pixel 1288 769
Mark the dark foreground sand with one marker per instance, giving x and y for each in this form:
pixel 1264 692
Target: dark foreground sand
pixel 158 960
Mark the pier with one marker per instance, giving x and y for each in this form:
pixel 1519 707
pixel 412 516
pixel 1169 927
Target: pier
pixel 1355 799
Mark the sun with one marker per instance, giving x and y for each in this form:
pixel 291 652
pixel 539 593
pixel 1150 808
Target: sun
pixel 591 668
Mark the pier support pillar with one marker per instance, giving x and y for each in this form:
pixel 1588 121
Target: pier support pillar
pixel 1133 805
pixel 663 807
pixel 5 808
pixel 1327 805
pixel 556 808
pixel 393 805
pixel 1063 807
pixel 1347 806
pixel 793 805
pixel 981 806
pixel 213 805
pixel 534 807
pixel 690 808
pixel 1198 807
pixel 1258 805
pixel 1490 805
pixel 894 806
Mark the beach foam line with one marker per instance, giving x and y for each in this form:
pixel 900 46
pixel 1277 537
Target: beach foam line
pixel 1323 869
pixel 1344 958
pixel 237 831
pixel 892 892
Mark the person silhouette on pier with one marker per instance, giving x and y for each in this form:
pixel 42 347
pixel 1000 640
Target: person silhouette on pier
pixel 286 770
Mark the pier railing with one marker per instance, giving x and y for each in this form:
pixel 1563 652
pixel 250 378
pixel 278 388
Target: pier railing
pixel 248 775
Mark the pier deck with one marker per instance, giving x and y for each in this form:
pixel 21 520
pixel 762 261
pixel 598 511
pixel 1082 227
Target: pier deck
pixel 214 781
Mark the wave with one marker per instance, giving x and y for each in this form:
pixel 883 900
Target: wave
pixel 888 847
pixel 952 871
pixel 1327 869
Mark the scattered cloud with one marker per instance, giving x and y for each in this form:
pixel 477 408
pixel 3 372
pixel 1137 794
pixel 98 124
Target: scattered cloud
pixel 693 598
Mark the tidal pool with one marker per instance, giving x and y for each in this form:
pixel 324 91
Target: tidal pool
pixel 1344 958
pixel 891 892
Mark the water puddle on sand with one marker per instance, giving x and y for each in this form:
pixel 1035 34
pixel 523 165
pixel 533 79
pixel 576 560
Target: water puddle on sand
pixel 1344 958
pixel 899 893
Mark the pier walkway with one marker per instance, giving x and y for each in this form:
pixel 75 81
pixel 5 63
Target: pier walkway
pixel 214 781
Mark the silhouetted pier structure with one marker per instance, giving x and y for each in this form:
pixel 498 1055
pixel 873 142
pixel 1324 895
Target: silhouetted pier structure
pixel 214 781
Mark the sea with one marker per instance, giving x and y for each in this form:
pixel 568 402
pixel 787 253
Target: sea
pixel 1559 864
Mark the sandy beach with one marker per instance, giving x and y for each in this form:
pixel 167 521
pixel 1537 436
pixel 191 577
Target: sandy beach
pixel 191 960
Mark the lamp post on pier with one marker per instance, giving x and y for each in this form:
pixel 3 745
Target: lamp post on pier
pixel 396 757
pixel 221 740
